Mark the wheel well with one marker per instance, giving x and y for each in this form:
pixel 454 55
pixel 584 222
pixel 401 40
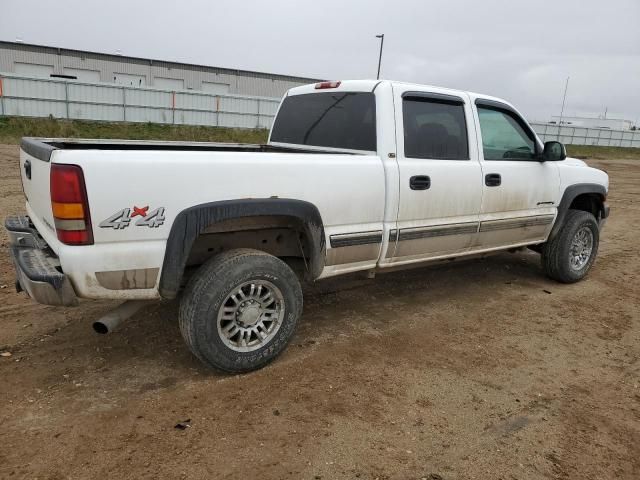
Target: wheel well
pixel 286 228
pixel 588 197
pixel 588 202
pixel 279 235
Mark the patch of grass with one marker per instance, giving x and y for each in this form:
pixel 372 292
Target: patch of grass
pixel 603 153
pixel 12 129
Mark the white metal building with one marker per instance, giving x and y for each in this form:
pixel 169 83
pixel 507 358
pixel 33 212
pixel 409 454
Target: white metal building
pixel 61 63
pixel 593 122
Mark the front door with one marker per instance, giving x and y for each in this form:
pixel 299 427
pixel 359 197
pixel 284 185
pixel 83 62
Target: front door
pixel 520 193
pixel 440 177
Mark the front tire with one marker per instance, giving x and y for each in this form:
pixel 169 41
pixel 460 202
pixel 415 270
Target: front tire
pixel 569 255
pixel 240 310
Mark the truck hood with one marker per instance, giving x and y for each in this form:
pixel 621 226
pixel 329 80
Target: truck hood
pixel 575 162
pixel 574 171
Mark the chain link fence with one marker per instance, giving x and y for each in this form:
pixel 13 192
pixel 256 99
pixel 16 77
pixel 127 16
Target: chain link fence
pixel 603 137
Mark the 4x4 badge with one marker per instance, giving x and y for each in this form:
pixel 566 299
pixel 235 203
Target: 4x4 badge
pixel 122 218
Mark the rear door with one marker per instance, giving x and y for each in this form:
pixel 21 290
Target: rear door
pixel 520 193
pixel 440 177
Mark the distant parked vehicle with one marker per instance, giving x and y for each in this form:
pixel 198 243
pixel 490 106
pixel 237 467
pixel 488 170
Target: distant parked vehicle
pixel 356 176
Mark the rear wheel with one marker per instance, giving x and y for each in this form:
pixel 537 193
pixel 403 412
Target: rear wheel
pixel 569 255
pixel 240 310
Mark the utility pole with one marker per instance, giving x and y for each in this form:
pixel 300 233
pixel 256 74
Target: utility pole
pixel 564 98
pixel 381 37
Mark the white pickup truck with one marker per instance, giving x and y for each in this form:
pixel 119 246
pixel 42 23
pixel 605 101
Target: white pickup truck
pixel 356 176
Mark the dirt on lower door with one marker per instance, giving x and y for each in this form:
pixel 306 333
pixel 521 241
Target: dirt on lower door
pixel 483 369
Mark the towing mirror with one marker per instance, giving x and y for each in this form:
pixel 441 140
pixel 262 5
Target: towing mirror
pixel 553 152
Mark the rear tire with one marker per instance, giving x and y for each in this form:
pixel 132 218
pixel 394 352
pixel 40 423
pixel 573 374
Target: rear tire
pixel 569 255
pixel 240 310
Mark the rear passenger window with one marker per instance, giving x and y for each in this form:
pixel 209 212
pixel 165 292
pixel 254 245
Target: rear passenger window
pixel 434 129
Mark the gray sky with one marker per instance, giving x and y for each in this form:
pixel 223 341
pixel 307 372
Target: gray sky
pixel 521 50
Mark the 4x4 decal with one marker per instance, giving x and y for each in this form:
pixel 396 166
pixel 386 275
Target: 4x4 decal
pixel 122 218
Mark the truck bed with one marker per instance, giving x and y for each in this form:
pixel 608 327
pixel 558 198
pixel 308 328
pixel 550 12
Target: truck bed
pixel 42 148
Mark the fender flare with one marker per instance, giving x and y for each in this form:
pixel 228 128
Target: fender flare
pixel 190 222
pixel 569 195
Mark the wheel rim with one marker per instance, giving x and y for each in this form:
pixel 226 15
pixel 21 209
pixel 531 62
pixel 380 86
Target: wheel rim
pixel 251 315
pixel 581 248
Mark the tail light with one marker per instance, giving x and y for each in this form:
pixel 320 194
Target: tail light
pixel 323 85
pixel 70 206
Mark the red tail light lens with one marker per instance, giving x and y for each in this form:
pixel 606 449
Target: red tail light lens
pixel 75 237
pixel 70 205
pixel 323 85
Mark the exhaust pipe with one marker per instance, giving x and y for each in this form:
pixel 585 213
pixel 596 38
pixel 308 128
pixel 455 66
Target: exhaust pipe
pixel 111 320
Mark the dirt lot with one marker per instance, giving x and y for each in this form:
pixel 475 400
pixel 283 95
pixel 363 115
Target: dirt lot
pixel 483 369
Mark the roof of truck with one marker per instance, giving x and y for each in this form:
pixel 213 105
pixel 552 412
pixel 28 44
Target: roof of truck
pixel 370 85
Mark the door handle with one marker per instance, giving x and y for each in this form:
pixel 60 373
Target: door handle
pixel 419 182
pixel 492 180
pixel 27 169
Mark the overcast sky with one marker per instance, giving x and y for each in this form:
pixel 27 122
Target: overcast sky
pixel 521 50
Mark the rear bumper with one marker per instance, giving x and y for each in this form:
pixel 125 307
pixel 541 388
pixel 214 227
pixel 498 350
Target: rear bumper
pixel 37 268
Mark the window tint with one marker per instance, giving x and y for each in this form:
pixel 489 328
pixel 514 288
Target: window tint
pixel 434 129
pixel 336 120
pixel 503 138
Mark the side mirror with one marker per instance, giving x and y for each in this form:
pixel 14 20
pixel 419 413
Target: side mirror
pixel 553 152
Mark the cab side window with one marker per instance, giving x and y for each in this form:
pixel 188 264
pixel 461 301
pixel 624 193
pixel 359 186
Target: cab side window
pixel 504 137
pixel 434 129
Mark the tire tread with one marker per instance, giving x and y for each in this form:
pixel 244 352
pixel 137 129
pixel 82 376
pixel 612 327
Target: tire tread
pixel 554 252
pixel 201 288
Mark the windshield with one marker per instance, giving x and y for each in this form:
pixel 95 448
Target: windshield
pixel 334 120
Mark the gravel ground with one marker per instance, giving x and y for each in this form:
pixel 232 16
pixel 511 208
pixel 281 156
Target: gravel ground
pixel 482 369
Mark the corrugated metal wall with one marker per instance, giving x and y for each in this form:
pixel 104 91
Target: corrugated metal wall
pixel 588 136
pixel 69 62
pixel 39 97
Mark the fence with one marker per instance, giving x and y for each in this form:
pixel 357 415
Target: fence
pixel 42 97
pixel 588 136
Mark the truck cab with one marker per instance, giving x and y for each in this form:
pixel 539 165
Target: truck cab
pixel 464 173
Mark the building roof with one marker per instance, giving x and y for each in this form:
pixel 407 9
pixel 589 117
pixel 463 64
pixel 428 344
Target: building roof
pixel 149 61
pixel 578 117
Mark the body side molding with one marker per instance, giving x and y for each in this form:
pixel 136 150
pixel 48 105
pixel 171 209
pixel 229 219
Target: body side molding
pixel 520 222
pixel 351 239
pixel 437 231
pixel 191 222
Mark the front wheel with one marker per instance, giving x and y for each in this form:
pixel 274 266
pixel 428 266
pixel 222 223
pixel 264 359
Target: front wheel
pixel 569 255
pixel 240 310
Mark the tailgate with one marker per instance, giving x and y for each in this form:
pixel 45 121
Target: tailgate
pixel 35 166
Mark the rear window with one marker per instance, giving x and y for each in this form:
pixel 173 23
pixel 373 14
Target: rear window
pixel 335 120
